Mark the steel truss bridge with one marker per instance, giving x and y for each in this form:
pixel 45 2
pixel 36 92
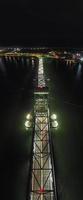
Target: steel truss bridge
pixel 43 183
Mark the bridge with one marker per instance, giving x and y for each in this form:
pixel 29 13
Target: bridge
pixel 43 181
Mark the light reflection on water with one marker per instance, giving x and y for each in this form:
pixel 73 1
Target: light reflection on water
pixel 79 71
pixel 2 67
pixel 15 101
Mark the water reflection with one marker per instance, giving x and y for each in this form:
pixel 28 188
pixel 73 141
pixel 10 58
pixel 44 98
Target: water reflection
pixel 27 61
pixel 79 71
pixel 33 63
pixel 2 67
pixel 22 59
pixel 16 71
pixel 15 60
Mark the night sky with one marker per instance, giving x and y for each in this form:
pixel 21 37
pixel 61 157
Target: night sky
pixel 28 22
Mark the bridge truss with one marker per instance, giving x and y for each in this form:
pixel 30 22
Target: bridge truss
pixel 43 184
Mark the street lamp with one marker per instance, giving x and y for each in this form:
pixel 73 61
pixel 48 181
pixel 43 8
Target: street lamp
pixel 53 116
pixel 28 122
pixel 54 123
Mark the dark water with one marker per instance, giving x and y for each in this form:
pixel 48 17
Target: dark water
pixel 66 100
pixel 16 100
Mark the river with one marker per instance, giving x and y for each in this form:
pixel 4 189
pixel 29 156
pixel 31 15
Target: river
pixel 65 84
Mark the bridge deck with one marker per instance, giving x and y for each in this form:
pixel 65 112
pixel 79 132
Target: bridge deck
pixel 42 184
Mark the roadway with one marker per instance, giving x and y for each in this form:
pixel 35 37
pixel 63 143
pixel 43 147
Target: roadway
pixel 42 183
pixel 42 187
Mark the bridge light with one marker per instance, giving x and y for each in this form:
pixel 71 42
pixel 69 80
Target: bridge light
pixel 41 190
pixel 53 116
pixel 27 124
pixel 28 116
pixel 54 124
pixel 81 59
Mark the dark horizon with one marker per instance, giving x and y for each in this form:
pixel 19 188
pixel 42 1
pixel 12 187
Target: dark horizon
pixel 39 43
pixel 46 23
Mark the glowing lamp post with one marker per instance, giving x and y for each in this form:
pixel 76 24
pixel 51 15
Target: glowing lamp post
pixel 28 122
pixel 53 116
pixel 54 122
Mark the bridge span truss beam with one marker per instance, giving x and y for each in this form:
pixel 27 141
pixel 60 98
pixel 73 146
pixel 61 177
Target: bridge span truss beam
pixel 43 187
pixel 43 184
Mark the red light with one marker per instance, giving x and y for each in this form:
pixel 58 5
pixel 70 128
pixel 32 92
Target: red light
pixel 40 88
pixel 41 190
